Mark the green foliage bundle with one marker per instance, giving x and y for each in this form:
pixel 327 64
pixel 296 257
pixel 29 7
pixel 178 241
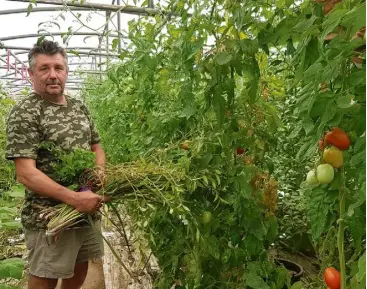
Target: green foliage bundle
pixel 69 167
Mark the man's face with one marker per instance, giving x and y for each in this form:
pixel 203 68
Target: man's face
pixel 49 74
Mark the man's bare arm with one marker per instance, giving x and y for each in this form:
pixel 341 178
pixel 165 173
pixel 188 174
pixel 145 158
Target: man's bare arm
pixel 38 182
pixel 100 155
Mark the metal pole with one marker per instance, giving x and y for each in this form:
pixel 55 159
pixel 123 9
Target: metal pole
pixel 108 14
pixel 97 6
pixel 79 52
pixel 52 34
pixel 119 29
pixel 42 9
pixel 73 48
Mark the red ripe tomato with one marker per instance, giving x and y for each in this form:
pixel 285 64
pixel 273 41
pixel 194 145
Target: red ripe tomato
pixel 332 278
pixel 240 151
pixel 185 145
pixel 337 137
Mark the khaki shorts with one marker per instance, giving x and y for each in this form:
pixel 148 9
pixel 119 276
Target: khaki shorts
pixel 56 258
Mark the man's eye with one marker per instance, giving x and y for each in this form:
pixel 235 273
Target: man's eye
pixel 43 68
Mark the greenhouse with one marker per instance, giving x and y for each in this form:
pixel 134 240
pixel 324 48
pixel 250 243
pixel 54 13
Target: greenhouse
pixel 182 144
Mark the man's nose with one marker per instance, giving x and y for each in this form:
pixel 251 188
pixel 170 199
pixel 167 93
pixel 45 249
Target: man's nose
pixel 52 74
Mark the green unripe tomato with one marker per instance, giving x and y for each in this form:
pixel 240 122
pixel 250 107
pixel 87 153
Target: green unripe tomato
pixel 325 173
pixel 311 178
pixel 207 217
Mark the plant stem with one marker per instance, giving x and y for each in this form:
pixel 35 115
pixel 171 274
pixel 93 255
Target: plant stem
pixel 119 260
pixel 122 226
pixel 341 229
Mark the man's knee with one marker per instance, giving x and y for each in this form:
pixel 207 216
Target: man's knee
pixel 35 282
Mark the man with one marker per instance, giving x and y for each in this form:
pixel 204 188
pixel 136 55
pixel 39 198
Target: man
pixel 49 115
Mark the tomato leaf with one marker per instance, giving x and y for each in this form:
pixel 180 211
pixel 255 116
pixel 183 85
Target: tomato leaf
pixel 212 246
pixel 332 21
pixel 297 285
pixel 223 58
pixel 255 281
pixel 320 204
pixel 361 268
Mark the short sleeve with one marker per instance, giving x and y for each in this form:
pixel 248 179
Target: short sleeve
pixel 22 134
pixel 95 138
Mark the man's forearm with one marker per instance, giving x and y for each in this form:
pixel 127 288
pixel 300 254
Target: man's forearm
pixel 38 182
pixel 101 159
pixel 100 156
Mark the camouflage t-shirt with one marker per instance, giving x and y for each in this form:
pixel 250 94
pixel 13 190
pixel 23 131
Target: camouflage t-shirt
pixel 34 121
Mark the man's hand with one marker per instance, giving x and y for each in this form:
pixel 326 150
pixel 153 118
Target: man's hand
pixel 88 202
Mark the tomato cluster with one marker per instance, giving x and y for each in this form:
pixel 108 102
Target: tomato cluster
pixel 332 145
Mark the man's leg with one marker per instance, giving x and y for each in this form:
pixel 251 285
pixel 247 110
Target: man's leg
pixel 35 282
pixel 76 282
pixel 50 262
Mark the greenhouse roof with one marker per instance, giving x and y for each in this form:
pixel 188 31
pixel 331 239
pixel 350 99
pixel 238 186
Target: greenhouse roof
pixel 92 32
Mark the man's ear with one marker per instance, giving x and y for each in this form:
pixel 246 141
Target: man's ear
pixel 30 72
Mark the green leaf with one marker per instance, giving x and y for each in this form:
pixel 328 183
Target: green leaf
pixel 6 286
pixel 319 204
pixel 332 21
pixel 328 113
pixel 17 191
pixel 212 246
pixel 360 200
pixel 226 256
pixel 303 25
pixel 355 18
pixel 219 105
pixel 189 110
pixel 223 58
pixel 255 281
pixel 115 43
pixel 11 268
pixel 361 268
pixel 10 225
pixel 74 52
pixel 295 131
pixel 356 224
pixel 272 227
pixel 29 9
pixel 283 278
pixel 344 101
pixel 297 285
pixel 6 210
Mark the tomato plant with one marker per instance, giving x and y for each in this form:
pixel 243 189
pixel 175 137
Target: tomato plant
pixel 6 167
pixel 229 92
